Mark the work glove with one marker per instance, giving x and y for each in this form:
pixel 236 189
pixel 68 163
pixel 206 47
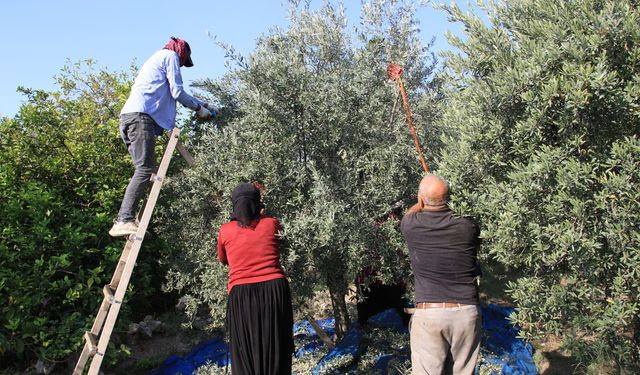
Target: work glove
pixel 203 113
pixel 212 109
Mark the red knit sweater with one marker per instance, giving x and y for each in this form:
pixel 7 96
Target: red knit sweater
pixel 252 253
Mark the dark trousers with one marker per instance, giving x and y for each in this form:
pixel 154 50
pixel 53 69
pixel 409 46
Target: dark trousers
pixel 138 133
pixel 260 327
pixel 379 297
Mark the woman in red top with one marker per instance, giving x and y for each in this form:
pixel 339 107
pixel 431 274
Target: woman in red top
pixel 259 312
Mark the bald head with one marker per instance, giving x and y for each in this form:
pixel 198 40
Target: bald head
pixel 434 191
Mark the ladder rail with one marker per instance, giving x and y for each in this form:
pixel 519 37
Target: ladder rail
pixel 110 307
pixel 123 284
pixel 117 274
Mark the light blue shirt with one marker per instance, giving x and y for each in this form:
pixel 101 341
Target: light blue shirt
pixel 157 88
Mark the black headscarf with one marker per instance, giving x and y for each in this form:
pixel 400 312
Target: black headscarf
pixel 246 204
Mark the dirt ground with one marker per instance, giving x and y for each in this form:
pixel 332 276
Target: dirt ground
pixel 552 359
pixel 150 353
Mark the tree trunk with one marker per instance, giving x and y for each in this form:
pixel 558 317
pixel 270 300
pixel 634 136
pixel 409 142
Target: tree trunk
pixel 337 290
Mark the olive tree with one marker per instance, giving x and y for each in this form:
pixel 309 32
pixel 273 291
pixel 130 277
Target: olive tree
pixel 542 119
pixel 309 116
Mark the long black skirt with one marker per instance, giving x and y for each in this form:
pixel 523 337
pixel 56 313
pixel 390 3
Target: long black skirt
pixel 260 327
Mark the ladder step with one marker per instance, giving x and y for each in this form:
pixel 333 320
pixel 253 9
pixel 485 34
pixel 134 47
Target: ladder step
pixel 108 293
pixel 92 341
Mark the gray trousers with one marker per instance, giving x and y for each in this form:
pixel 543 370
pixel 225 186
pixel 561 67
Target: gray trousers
pixel 445 341
pixel 137 132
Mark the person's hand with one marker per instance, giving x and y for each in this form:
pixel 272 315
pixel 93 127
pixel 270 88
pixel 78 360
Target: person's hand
pixel 211 108
pixel 203 113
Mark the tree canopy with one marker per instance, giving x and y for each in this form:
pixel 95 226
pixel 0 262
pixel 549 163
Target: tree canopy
pixel 542 115
pixel 312 123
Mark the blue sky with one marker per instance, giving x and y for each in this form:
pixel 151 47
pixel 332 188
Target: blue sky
pixel 41 35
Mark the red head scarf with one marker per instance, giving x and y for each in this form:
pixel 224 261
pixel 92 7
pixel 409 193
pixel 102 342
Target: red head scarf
pixel 183 50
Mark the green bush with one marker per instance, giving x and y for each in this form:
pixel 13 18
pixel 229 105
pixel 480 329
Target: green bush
pixel 63 172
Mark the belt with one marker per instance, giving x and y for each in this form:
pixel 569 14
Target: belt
pixel 438 305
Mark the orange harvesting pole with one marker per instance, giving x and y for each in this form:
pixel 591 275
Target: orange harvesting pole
pixel 393 72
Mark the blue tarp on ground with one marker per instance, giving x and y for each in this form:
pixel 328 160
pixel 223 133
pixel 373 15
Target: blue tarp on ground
pixel 389 319
pixel 212 351
pixel 348 346
pixel 303 331
pixel 500 345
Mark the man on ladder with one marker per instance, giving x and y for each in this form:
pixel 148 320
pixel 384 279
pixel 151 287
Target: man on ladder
pixel 150 109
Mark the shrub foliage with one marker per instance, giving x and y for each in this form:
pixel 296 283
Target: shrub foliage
pixel 63 172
